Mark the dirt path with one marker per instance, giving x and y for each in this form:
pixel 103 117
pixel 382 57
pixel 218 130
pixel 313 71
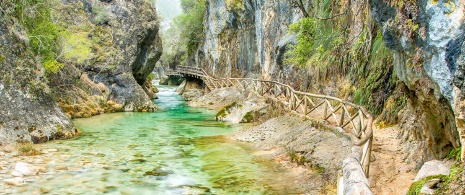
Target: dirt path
pixel 389 174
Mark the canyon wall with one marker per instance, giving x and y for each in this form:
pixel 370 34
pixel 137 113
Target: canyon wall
pixel 101 55
pixel 427 38
pixel 249 39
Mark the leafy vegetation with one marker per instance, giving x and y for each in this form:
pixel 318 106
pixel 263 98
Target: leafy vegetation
pixel 329 47
pixel 186 31
pixel 77 47
pixel 454 154
pixel 235 4
pixel 226 110
pixel 28 150
pixel 44 35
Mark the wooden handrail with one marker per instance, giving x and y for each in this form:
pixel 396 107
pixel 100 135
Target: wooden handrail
pixel 337 112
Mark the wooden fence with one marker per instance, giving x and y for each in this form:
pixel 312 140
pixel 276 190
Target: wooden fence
pixel 346 116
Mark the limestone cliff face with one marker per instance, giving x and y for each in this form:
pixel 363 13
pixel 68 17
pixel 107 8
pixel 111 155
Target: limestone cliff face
pixel 28 112
pixel 125 44
pixel 246 39
pixel 106 50
pixel 249 39
pixel 427 38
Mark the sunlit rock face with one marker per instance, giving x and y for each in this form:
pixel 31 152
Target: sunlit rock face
pixel 246 39
pixel 125 39
pixel 107 51
pixel 28 112
pixel 427 38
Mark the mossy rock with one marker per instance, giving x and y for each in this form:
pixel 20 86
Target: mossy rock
pixel 248 117
pixel 226 110
pixel 415 188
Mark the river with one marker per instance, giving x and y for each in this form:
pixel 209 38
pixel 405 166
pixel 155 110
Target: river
pixel 180 150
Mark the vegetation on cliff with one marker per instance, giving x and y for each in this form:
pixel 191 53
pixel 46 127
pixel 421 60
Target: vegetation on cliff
pixel 43 34
pixel 185 33
pixel 336 40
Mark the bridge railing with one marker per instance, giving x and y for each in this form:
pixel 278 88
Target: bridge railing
pixel 346 116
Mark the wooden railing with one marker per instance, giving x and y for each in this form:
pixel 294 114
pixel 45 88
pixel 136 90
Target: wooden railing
pixel 346 116
pixel 171 72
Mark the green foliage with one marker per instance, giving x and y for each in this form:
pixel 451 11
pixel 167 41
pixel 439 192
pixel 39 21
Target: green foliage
pixel 317 44
pixel 52 66
pixel 185 33
pixel 226 110
pixel 190 23
pixel 454 183
pixel 150 77
pixel 2 58
pixel 415 188
pixel 455 154
pixel 248 117
pixel 35 16
pixel 377 76
pixel 77 47
pixel 27 150
pixel 235 4
pixel 328 49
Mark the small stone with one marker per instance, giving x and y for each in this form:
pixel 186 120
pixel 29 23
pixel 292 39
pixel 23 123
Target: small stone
pixel 26 169
pixel 17 181
pixel 16 174
pixel 60 168
pixel 52 150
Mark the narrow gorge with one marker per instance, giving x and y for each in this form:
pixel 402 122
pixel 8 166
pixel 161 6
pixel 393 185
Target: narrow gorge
pixel 340 63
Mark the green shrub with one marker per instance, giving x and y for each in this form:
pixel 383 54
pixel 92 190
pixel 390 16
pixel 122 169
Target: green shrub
pixel 77 47
pixel 35 16
pixel 248 117
pixel 28 150
pixel 455 154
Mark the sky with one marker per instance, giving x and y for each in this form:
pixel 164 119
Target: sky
pixel 168 9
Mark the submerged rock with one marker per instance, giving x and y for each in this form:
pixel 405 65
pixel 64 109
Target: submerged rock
pixel 17 181
pixel 26 169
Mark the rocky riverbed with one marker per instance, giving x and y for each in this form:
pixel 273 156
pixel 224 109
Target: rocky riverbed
pixel 306 148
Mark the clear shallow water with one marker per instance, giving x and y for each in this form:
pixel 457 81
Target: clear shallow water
pixel 177 151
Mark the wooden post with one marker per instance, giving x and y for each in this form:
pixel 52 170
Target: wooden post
pixel 366 160
pixel 325 113
pixel 341 121
pixel 305 104
pixel 287 93
pixel 359 126
pixel 291 104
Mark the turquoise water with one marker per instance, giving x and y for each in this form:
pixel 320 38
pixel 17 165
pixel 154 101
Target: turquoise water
pixel 177 151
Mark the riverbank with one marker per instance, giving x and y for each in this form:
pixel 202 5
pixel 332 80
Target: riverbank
pixel 179 150
pixel 302 147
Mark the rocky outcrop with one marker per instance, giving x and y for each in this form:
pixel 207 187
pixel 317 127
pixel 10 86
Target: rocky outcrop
pixel 102 54
pixel 124 36
pixel 246 39
pixel 306 144
pixel 427 38
pixel 28 111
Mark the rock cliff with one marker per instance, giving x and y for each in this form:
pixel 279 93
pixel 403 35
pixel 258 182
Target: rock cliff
pixel 28 111
pixel 85 56
pixel 249 39
pixel 246 38
pixel 427 38
pixel 125 46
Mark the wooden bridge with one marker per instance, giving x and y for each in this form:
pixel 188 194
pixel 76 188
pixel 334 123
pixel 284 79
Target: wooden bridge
pixel 348 117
